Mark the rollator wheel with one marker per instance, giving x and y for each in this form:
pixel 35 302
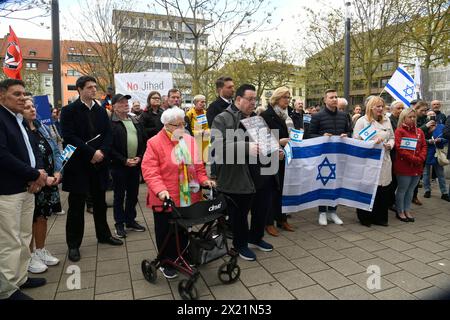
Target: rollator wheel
pixel 229 272
pixel 187 290
pixel 149 271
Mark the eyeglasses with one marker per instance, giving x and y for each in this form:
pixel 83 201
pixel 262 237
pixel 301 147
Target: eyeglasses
pixel 178 125
pixel 249 99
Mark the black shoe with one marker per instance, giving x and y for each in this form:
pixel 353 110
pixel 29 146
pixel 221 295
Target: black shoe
pixel 383 224
pixel 135 226
pixel 427 194
pixel 366 223
pixel 402 219
pixel 74 255
pixel 112 241
pixel 19 295
pixel 445 197
pixel 33 283
pixel 120 230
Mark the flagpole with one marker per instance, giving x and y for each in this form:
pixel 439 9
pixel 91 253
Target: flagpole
pixel 382 92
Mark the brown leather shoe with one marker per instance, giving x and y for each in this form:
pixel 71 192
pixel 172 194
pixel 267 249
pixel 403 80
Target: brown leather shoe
pixel 286 226
pixel 417 201
pixel 272 231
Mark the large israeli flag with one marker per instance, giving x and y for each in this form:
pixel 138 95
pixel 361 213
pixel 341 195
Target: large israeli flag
pixel 401 86
pixel 329 171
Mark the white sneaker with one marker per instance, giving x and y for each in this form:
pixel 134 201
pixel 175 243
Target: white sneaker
pixel 46 257
pixel 36 265
pixel 323 219
pixel 334 217
pixel 62 212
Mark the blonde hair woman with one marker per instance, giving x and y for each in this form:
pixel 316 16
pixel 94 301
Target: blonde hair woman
pixel 376 119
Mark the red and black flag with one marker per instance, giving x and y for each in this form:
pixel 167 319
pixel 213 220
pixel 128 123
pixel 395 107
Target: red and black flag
pixel 13 57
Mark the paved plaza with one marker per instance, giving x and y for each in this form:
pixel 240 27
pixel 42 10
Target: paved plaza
pixel 312 263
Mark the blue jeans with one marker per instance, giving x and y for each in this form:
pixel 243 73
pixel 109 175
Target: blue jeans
pixel 440 176
pixel 405 192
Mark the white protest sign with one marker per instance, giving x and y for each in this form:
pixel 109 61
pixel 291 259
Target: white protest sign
pixel 139 85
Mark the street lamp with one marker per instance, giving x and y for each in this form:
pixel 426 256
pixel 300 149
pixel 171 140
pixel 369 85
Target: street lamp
pixel 56 56
pixel 347 52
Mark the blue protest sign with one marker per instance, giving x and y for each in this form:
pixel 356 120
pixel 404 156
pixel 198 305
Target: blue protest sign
pixel 43 109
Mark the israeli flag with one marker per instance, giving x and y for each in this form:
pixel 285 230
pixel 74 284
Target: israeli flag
pixel 67 152
pixel 296 135
pixel 307 118
pixel 401 86
pixel 408 144
pixel 367 133
pixel 288 153
pixel 331 171
pixel 201 119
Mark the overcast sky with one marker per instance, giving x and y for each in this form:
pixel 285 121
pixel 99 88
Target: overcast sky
pixel 287 21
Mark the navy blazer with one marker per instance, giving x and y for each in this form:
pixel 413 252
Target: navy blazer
pixel 75 131
pixel 15 167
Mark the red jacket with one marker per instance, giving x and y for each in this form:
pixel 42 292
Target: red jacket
pixel 160 170
pixel 409 162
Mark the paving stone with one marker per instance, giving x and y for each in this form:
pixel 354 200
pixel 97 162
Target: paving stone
pixel 46 292
pixel 365 281
pixel 418 268
pixel 138 257
pixel 407 237
pixel 330 279
pixel 351 236
pixel 112 267
pixel 352 292
pixel 422 255
pixel 321 234
pixel 434 237
pixel 346 267
pixel 294 279
pixel 357 254
pixel 444 254
pixel 292 252
pixel 87 280
pixel 279 242
pixel 277 264
pixel 86 294
pixel 394 294
pixel 310 264
pixel 271 291
pixel 437 229
pixel 140 245
pixel 376 235
pixel 115 282
pixel 163 297
pixel 432 294
pixel 144 289
pixel 111 253
pixel 338 243
pixel 392 256
pixel 441 280
pixel 407 281
pixel 255 276
pixel 443 265
pixel 85 264
pixel 315 292
pixel 430 246
pixel 310 243
pixel 326 254
pixel 236 291
pixel 369 245
pixel 397 245
pixel 385 267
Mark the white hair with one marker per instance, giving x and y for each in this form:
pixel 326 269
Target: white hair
pixel 395 103
pixel 198 98
pixel 343 100
pixel 172 114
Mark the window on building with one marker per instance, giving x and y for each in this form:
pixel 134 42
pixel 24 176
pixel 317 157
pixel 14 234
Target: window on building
pixel 358 85
pixel 293 92
pixel 72 87
pixel 300 92
pixel 47 82
pixel 31 65
pixel 448 95
pixel 73 73
pixel 439 95
pixel 384 82
pixel 387 66
pixel 165 66
pixel 32 53
pixel 141 22
pixel 50 66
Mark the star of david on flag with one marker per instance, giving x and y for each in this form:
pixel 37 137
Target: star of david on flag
pixel 401 86
pixel 331 175
pixel 367 133
pixel 296 135
pixel 67 153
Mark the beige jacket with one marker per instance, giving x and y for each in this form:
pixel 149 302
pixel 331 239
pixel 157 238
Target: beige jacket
pixel 385 132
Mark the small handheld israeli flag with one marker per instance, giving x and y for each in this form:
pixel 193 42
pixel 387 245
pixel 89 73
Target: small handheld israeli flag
pixel 367 133
pixel 307 118
pixel 409 144
pixel 401 86
pixel 67 153
pixel 288 153
pixel 201 119
pixel 296 135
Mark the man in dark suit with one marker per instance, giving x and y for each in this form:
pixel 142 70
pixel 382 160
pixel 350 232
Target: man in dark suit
pixel 86 126
pixel 21 176
pixel 225 90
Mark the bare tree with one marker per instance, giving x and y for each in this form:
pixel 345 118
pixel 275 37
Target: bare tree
pixel 24 9
pixel 428 31
pixel 377 33
pixel 212 25
pixel 108 46
pixel 324 48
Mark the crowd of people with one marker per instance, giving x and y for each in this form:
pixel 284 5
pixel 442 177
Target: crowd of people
pixel 177 152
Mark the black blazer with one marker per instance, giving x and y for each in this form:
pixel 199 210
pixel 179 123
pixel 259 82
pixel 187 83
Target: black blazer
pixel 76 130
pixel 216 108
pixel 15 167
pixel 119 149
pixel 151 122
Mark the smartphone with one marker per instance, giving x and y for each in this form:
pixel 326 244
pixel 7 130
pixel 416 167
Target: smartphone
pixel 433 118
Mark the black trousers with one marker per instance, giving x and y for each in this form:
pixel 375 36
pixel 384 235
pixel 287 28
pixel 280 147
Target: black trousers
pixel 126 189
pixel 268 199
pixel 392 190
pixel 162 228
pixel 379 212
pixel 238 210
pixel 75 214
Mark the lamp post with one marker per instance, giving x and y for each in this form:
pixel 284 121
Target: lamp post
pixel 56 53
pixel 347 53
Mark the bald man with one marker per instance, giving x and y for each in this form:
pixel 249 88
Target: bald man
pixel 436 107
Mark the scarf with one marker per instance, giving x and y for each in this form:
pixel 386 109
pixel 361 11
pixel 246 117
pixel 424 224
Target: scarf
pixel 187 180
pixel 284 115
